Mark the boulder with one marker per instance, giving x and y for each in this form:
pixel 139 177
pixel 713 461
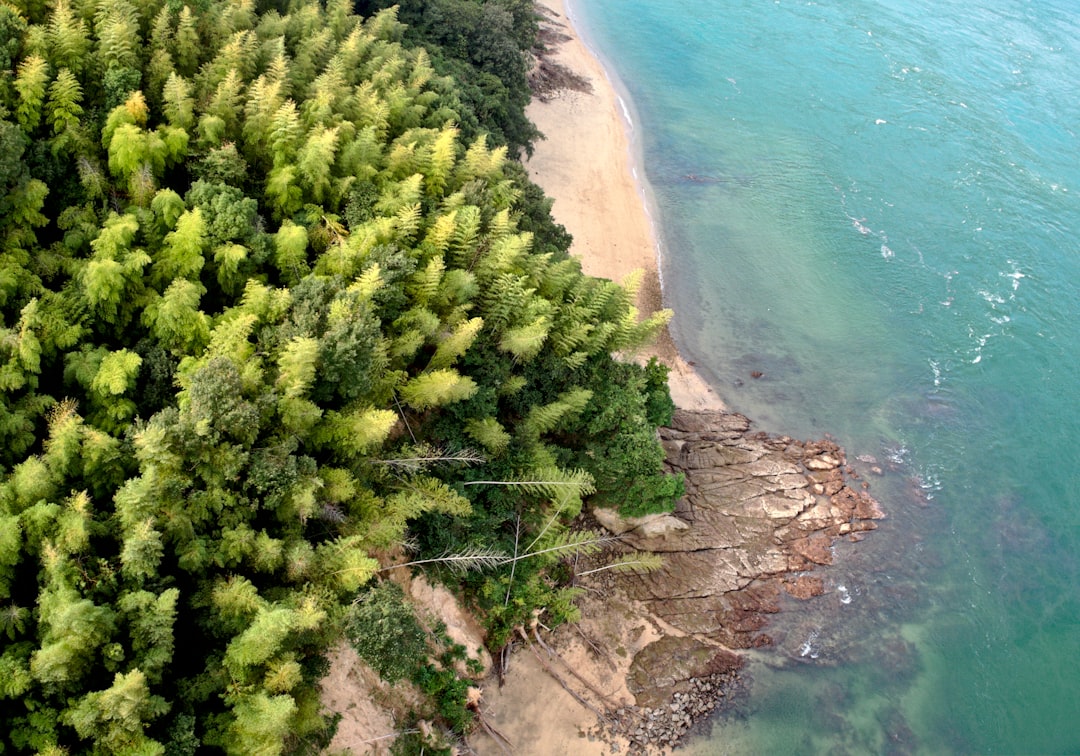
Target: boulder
pixel 665 666
pixel 649 526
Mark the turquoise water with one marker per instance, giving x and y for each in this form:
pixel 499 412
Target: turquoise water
pixel 876 205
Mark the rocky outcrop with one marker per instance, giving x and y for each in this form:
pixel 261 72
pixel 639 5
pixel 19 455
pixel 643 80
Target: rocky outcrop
pixel 654 653
pixel 760 511
pixel 666 667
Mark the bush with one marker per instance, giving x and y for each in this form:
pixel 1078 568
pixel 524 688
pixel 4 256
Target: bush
pixel 384 631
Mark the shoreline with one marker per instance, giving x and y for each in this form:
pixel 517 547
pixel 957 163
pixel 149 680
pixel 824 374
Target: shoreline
pixel 628 117
pixel 591 165
pixel 653 654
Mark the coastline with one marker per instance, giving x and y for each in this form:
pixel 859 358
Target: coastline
pixel 588 165
pixel 653 654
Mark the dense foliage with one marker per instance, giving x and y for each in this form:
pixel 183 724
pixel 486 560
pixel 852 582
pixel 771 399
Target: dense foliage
pixel 484 45
pixel 266 316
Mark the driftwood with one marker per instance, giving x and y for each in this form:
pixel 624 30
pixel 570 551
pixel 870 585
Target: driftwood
pixel 596 649
pixel 500 740
pixel 555 675
pixel 596 692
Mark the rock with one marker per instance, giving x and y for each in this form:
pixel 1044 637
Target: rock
pixel 670 661
pixel 824 462
pixel 649 526
pixel 805 586
pixel 816 549
pixel 759 514
pixel 757 507
pixel 867 507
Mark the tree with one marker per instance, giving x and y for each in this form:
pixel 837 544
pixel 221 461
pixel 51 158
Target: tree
pixel 275 304
pixel 117 717
pixel 33 73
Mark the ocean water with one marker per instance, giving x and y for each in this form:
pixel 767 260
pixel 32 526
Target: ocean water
pixel 876 205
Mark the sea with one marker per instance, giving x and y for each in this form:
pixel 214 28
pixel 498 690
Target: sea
pixel 869 216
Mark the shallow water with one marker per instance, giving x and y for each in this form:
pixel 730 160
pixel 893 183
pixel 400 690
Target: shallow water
pixel 875 205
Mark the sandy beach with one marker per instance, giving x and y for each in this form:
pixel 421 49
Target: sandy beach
pixel 586 165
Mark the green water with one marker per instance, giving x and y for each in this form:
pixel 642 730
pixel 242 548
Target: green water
pixel 876 206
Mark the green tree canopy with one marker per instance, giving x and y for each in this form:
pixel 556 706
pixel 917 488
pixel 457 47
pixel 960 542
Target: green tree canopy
pixel 271 301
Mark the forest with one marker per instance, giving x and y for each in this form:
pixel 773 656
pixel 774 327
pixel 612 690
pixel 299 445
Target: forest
pixel 281 309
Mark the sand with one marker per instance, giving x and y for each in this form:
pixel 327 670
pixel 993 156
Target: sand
pixel 587 164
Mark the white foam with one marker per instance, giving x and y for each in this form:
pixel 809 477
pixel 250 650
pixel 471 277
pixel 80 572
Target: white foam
pixel 807 648
pixel 625 112
pixel 857 223
pixel 896 455
pixel 929 482
pixel 1016 275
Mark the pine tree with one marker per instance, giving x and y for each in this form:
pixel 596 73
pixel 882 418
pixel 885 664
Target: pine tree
pixel 150 619
pixel 290 243
pixel 225 104
pixel 437 388
pixel 116 718
pixel 489 433
pixel 186 43
pixel 456 343
pixel 261 723
pixel 297 365
pixel 73 630
pixel 117 29
pixel 112 277
pixel 440 163
pixel 179 104
pixel 175 319
pixel 525 342
pixel 315 162
pixel 355 432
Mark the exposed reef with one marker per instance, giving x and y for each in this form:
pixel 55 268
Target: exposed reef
pixel 760 514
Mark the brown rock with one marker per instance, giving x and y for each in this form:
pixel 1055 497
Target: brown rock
pixel 659 668
pixel 867 507
pixel 649 526
pixel 759 507
pixel 805 586
pixel 816 549
pixel 824 462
